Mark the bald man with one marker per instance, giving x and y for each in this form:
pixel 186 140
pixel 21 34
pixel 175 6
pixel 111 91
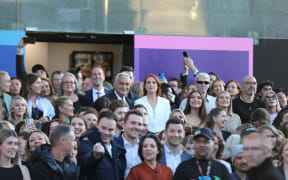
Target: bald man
pixel 246 103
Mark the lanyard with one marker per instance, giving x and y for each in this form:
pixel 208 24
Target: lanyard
pixel 200 169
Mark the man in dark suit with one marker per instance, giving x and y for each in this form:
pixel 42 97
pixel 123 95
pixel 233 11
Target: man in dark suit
pixel 121 90
pixel 97 78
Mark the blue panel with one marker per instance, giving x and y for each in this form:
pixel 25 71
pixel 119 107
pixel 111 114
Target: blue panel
pixel 8 46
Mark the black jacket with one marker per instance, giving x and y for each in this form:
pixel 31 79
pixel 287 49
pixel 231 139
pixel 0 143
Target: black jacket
pixel 265 171
pixel 105 168
pixel 45 167
pixel 130 99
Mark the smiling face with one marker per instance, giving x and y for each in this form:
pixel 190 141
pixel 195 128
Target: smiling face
pixel 174 134
pixel 106 128
pixel 223 100
pixel 196 100
pixel 218 86
pixel 19 108
pixel 78 126
pixel 220 119
pixel 45 89
pixel 122 86
pixel 97 77
pixel 69 85
pixel 9 147
pixel 232 89
pixel 132 127
pixel 203 147
pixel 149 150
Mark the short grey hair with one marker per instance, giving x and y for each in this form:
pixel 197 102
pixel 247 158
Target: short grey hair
pixel 121 74
pixel 58 132
pixel 2 74
pixel 202 74
pixel 77 85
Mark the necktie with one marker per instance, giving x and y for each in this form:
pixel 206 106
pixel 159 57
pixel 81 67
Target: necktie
pixel 98 94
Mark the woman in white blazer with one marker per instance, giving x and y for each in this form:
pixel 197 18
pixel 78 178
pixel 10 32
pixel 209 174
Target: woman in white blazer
pixel 158 108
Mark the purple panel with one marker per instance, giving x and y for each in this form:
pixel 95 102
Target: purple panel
pixel 227 64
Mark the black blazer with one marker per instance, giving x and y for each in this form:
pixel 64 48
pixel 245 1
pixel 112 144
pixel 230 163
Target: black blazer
pixel 112 96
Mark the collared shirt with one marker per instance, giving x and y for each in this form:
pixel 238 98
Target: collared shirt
pixel 109 149
pixel 210 103
pixel 172 160
pixel 123 99
pixel 94 93
pixel 131 155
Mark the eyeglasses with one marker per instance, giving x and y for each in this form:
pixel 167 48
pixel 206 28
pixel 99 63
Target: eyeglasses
pixel 268 98
pixel 203 82
pixel 68 82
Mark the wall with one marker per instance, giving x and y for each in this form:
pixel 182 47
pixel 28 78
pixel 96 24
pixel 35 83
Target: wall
pixel 56 56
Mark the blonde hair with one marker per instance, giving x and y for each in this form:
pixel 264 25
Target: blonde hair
pixel 11 114
pixel 230 109
pixel 278 107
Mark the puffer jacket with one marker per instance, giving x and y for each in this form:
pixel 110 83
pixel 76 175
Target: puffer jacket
pixel 45 167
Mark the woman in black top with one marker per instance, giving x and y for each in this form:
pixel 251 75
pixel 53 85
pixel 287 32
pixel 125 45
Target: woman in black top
pixel 9 157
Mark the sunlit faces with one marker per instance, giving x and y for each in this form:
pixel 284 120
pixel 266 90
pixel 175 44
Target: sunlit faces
pixel 145 123
pixel 69 143
pixel 203 147
pixel 282 99
pixel 106 128
pixel 270 99
pixel 151 85
pixel 132 127
pixel 223 100
pixel 22 146
pixel 271 137
pixel 265 89
pixel 218 86
pixel 56 80
pixel 174 134
pixel 15 87
pixel 97 76
pixel 285 153
pixel 254 151
pixel 249 86
pixel 232 88
pixel 122 86
pixel 69 85
pixel 201 84
pixel 240 163
pixel 5 83
pixel 36 86
pixel 91 119
pixel 220 119
pixel 195 100
pixel 67 109
pixel 35 140
pixel 149 150
pixel 120 113
pixel 9 147
pixel 19 108
pixel 78 125
pixel 45 88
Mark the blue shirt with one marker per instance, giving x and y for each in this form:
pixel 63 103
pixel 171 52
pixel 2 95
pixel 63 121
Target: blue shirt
pixel 44 105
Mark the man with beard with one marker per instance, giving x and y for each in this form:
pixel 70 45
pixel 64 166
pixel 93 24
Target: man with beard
pixel 129 139
pixel 119 108
pixel 173 154
pixel 239 163
pixel 247 103
pixel 202 166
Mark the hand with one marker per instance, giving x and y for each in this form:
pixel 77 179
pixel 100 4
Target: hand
pixel 44 119
pixel 98 150
pixel 30 127
pixel 21 43
pixel 188 62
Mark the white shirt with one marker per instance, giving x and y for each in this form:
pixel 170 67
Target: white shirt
pixel 210 103
pixel 94 93
pixel 156 118
pixel 272 117
pixel 131 155
pixel 109 149
pixel 172 161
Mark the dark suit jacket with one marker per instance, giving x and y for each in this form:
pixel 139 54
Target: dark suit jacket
pixel 89 95
pixel 184 156
pixel 112 96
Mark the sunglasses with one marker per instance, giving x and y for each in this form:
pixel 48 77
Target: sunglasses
pixel 203 82
pixel 267 98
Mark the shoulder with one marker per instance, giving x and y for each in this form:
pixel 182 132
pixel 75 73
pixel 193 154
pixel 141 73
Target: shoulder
pixel 165 169
pixel 89 92
pixel 141 100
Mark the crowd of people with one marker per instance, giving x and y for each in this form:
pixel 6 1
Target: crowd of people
pixel 71 127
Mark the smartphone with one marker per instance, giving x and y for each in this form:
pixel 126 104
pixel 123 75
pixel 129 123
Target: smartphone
pixel 29 40
pixel 185 54
pixel 29 122
pixel 161 76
